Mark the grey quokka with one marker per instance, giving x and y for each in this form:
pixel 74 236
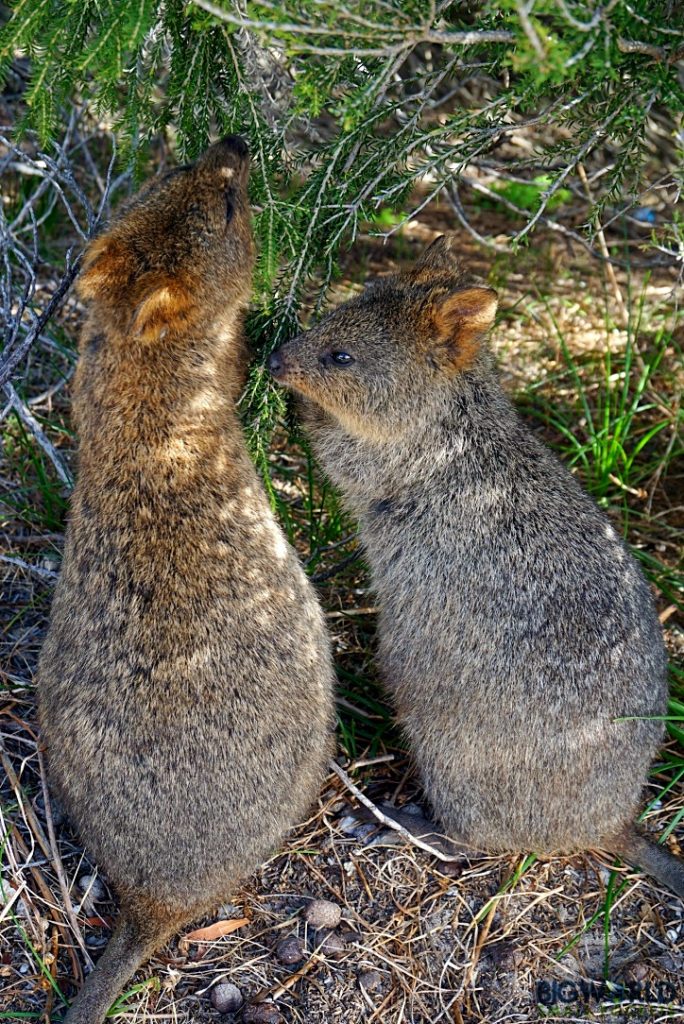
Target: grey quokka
pixel 185 685
pixel 517 634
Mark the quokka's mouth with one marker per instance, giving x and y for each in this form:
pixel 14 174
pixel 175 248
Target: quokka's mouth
pixel 277 365
pixel 288 375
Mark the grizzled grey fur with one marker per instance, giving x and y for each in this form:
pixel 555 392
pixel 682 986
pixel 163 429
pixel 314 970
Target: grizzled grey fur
pixel 517 634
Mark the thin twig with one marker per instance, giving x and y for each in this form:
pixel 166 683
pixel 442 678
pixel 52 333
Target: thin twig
pixel 407 38
pixel 657 53
pixel 623 315
pixel 34 427
pixel 44 574
pixel 320 577
pixel 390 822
pixel 529 29
pixel 280 988
pixel 59 867
pixel 27 810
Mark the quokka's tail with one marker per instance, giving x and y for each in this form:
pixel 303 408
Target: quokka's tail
pixel 653 858
pixel 129 947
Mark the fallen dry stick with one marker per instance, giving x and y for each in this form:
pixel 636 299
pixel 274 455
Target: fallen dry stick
pixel 390 823
pixel 280 988
pixel 59 867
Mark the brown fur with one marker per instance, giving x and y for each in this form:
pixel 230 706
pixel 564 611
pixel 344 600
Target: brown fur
pixel 185 685
pixel 459 321
pixel 516 632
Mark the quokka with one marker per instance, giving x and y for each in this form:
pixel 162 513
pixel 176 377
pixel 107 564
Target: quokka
pixel 185 685
pixel 517 634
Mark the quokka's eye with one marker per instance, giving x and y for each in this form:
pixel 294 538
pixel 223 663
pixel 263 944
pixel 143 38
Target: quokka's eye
pixel 342 358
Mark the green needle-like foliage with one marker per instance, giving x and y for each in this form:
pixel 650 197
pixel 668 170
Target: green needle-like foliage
pixel 349 105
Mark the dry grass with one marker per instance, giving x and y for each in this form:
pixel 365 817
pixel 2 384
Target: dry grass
pixel 444 948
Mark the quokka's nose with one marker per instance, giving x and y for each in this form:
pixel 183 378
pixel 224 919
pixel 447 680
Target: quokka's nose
pixel 230 153
pixel 276 364
pixel 235 144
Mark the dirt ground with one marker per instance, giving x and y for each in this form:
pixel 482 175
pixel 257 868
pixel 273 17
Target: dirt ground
pixel 506 939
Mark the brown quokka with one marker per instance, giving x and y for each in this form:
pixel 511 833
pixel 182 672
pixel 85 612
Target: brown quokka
pixel 185 685
pixel 516 632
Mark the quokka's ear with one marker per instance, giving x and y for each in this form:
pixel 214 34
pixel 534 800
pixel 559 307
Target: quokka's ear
pixel 166 307
pixel 440 259
pixel 147 304
pixel 106 270
pixel 459 321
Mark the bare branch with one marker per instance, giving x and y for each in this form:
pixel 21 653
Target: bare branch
pixel 530 31
pixel 549 222
pixel 457 206
pixel 577 158
pixel 657 53
pixel 44 574
pixel 384 819
pixel 34 427
pixel 9 364
pixel 581 26
pixel 406 38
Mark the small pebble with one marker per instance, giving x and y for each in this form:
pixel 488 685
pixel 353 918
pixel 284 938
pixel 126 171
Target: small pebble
pixel 411 808
pixel 226 998
pixel 636 972
pixel 348 825
pixel 262 1013
pixel 351 826
pixel 330 944
pixel 227 911
pixel 371 981
pixel 93 886
pixel 290 950
pixel 451 868
pixel 322 914
pixel 388 837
